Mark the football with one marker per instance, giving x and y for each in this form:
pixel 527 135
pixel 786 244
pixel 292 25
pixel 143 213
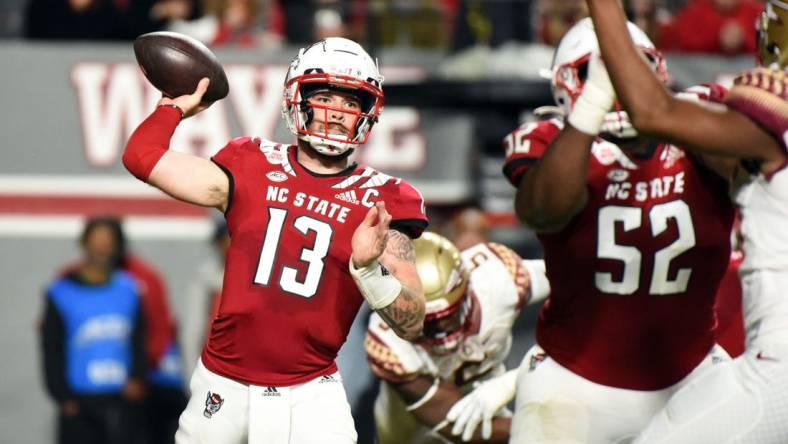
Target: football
pixel 174 63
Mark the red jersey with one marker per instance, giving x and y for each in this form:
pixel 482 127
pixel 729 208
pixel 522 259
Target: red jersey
pixel 730 320
pixel 288 299
pixel 633 276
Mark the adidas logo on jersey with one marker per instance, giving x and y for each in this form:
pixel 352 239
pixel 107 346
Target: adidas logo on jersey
pixel 271 391
pixel 326 378
pixel 348 196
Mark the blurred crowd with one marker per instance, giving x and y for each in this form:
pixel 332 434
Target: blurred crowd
pixel 708 26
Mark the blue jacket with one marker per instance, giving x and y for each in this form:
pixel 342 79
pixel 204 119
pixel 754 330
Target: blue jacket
pixel 92 336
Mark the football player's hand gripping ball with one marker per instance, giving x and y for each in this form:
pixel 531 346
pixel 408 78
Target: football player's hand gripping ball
pixel 190 103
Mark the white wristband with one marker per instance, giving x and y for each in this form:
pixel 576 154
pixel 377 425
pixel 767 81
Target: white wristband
pixel 378 288
pixel 590 109
pixel 539 285
pixel 596 100
pixel 426 398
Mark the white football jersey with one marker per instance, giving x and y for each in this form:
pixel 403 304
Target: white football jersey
pixel 764 210
pixel 499 285
pixel 494 271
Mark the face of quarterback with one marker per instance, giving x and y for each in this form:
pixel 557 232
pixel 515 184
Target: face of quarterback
pixel 334 113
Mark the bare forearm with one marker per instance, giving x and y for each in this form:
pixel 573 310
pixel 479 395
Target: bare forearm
pixel 554 189
pixel 433 412
pixel 654 111
pixel 185 177
pixel 406 314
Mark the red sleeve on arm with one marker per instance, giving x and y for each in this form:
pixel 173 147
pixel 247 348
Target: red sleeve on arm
pixel 408 212
pixel 526 145
pixel 150 141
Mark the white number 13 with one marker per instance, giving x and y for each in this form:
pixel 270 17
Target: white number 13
pixel 630 217
pixel 314 257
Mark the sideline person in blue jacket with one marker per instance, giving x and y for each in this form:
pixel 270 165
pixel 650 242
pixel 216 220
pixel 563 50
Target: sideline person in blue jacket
pixel 93 345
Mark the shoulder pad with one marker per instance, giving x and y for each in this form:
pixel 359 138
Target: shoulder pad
pixel 770 80
pixel 531 139
pixel 513 264
pixel 244 142
pixel 391 357
pixel 761 94
pixel 497 270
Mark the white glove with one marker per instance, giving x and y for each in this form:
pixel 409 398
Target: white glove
pixel 481 405
pixel 595 101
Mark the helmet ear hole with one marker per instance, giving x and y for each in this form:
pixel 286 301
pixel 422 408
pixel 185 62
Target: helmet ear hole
pixel 582 72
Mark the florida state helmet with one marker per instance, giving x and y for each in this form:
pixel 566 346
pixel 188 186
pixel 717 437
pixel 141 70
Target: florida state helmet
pixel 570 70
pixel 445 283
pixel 773 35
pixel 332 64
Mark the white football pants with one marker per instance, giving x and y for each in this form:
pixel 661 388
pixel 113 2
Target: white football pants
pixel 553 405
pixel 313 412
pixel 744 401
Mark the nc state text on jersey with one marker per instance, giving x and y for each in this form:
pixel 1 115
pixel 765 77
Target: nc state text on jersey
pixel 311 203
pixel 643 190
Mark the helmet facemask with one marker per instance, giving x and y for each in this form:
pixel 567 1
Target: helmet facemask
pixel 333 64
pixel 323 140
pixel 773 35
pixel 444 332
pixel 445 283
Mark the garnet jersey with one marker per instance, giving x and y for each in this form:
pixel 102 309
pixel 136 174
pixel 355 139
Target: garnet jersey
pixel 634 274
pixel 288 300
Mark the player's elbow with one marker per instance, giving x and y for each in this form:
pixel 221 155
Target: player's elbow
pixel 541 221
pixel 648 118
pixel 543 215
pixel 133 165
pixel 413 330
pixel 644 122
pixel 410 333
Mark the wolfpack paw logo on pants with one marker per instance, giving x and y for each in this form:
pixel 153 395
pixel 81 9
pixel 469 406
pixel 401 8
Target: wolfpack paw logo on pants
pixel 213 402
